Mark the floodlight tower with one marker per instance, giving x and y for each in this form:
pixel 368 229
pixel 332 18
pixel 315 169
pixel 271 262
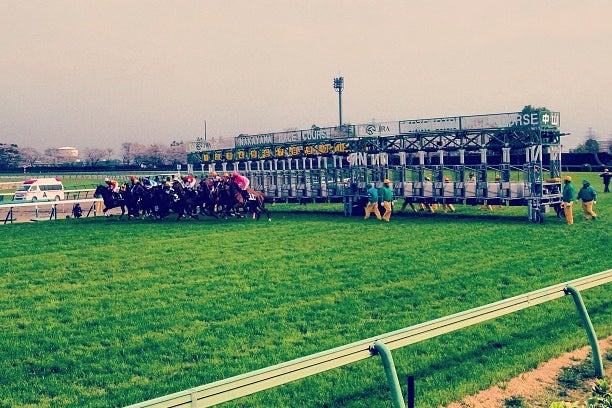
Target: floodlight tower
pixel 338 87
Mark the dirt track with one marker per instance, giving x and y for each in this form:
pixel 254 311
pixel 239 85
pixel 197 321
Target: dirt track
pixel 29 213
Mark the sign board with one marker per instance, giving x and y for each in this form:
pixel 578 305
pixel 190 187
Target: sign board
pixel 377 129
pixel 198 146
pixel 429 125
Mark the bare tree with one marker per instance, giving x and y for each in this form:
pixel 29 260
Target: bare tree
pixel 127 154
pixel 108 153
pixel 177 153
pixel 29 155
pixel 95 155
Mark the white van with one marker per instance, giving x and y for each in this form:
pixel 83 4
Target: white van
pixel 41 189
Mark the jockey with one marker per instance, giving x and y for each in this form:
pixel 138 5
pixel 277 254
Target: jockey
pixel 167 188
pixel 148 183
pixel 242 182
pixel 134 180
pixel 212 180
pixel 112 185
pixel 135 184
pixel 189 181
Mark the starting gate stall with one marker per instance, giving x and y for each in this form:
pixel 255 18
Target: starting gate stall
pixel 496 159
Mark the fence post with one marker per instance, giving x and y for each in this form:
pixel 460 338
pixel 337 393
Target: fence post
pixel 387 359
pixel 411 391
pixel 589 329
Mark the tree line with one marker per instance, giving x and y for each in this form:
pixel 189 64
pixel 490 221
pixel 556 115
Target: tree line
pixel 157 155
pixel 132 154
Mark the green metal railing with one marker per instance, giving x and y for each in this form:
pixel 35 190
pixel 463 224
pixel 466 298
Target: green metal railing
pixel 255 381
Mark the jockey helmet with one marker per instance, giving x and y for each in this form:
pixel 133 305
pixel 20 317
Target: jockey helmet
pixel 225 175
pixel 167 184
pixel 235 174
pixel 132 178
pixel 213 174
pixel 567 178
pixel 387 181
pixel 107 180
pixel 446 179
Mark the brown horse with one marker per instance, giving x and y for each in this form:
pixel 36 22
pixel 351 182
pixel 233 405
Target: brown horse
pixel 231 200
pixel 255 204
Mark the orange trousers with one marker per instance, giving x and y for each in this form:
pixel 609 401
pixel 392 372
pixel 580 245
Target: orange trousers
pixel 587 209
pixel 569 214
pixel 372 207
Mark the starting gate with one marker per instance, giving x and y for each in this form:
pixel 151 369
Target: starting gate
pixel 506 159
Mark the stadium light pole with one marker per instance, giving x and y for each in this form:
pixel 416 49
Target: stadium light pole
pixel 338 87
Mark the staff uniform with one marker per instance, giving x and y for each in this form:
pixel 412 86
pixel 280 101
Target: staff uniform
pixel 386 195
pixel 568 200
pixel 372 203
pixel 588 195
pixel 606 176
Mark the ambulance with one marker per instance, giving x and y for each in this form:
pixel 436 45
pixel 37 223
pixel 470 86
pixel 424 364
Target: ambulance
pixel 41 189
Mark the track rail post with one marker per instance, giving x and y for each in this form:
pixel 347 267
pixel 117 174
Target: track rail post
pixel 387 359
pixel 589 329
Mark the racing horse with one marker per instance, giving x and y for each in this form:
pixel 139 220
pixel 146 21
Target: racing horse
pixel 254 204
pixel 186 203
pixel 111 200
pixel 205 198
pixel 133 196
pixel 224 199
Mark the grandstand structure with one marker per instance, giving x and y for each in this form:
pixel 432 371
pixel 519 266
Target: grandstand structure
pixel 495 159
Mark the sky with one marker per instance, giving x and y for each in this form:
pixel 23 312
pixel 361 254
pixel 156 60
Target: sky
pixel 98 73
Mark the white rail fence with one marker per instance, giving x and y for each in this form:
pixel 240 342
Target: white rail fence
pixel 36 205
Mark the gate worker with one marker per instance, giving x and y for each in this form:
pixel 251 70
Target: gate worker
pixel 372 203
pixel 77 211
pixel 606 176
pixel 588 195
pixel 568 199
pixel 386 195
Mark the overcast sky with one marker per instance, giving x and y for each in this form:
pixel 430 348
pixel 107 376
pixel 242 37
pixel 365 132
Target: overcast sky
pixel 98 73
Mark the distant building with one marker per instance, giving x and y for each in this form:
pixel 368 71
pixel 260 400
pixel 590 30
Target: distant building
pixel 65 154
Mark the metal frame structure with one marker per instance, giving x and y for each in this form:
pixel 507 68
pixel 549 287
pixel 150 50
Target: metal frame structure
pixel 515 159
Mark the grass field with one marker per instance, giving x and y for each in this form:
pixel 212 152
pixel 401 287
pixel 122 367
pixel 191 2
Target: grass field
pixel 105 313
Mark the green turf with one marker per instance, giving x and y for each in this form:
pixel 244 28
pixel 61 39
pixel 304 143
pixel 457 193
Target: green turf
pixel 100 312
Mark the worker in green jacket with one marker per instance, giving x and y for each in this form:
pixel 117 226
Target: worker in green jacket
pixel 568 199
pixel 372 203
pixel 588 195
pixel 386 196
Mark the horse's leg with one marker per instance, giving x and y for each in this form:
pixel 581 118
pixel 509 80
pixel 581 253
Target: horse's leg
pixel 262 207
